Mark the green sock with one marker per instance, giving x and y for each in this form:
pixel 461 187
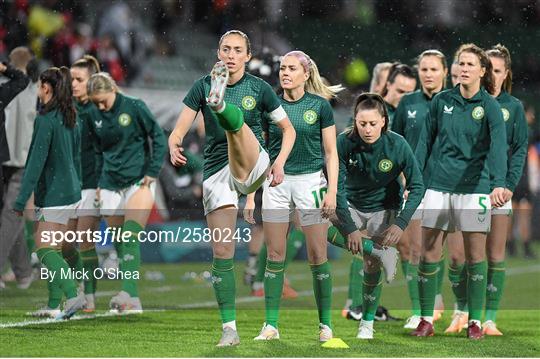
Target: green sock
pixel 261 264
pixel 356 281
pixel 273 287
pixel 322 287
pixel 90 263
pixel 295 239
pixel 427 285
pixel 224 284
pixel 55 292
pixel 404 267
pixel 73 259
pixel 440 275
pixel 495 278
pixel 476 289
pixel 412 286
pixel 54 262
pixel 372 293
pixel 458 280
pixel 29 237
pixel 131 257
pixel 334 237
pixel 231 118
pixel 367 246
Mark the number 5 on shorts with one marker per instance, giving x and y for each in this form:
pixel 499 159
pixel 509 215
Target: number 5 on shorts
pixel 318 196
pixel 481 201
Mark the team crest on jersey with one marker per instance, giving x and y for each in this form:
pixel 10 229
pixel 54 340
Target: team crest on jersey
pixel 506 114
pixel 478 113
pixel 411 114
pixel 310 117
pixel 385 165
pixel 448 110
pixel 124 119
pixel 248 103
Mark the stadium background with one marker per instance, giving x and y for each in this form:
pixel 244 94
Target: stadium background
pixel 157 49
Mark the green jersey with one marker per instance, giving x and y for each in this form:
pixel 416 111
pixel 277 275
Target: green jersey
pixel 251 94
pixel 123 134
pixel 411 115
pixel 391 112
pixel 369 178
pixel 90 156
pixel 455 143
pixel 309 116
pixel 53 166
pixel 516 137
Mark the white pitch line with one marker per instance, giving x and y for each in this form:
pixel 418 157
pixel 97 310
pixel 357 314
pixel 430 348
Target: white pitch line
pixel 248 299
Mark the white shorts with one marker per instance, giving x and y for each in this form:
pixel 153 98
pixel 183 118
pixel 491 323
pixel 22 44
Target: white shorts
pixel 375 222
pixel 221 189
pixel 302 192
pixel 89 204
pixel 457 212
pixel 417 215
pixel 505 210
pixel 56 214
pixel 113 203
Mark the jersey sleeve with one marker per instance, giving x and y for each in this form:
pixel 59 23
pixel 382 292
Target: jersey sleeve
pixel 327 115
pixel 155 132
pixel 414 184
pixel 518 148
pixel 497 155
pixel 270 104
pixel 195 96
pixel 344 222
pixel 428 134
pixel 398 124
pixel 37 156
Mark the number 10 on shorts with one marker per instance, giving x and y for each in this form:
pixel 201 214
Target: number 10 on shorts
pixel 318 196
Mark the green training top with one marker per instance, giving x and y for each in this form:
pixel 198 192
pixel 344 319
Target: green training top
pixel 369 178
pixel 251 94
pixel 91 159
pixel 411 115
pixel 391 112
pixel 456 140
pixel 516 137
pixel 53 166
pixel 123 134
pixel 309 115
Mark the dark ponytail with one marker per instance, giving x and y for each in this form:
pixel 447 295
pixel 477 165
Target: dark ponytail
pixel 60 81
pixel 368 101
pixel 396 69
pixel 502 52
pixel 487 80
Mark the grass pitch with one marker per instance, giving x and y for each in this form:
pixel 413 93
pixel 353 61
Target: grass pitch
pixel 181 320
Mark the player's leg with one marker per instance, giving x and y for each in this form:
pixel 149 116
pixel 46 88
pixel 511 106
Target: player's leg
pixel 457 274
pixel 496 246
pixel 414 232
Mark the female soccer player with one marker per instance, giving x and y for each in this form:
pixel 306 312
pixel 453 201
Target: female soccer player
pixel 304 188
pixel 409 119
pixel 371 160
pixel 232 102
pixel 465 126
pixel 87 214
pixel 127 183
pixel 401 81
pixel 52 172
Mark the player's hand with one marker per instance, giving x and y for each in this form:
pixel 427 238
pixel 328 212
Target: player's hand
pixel 2 67
pixel 328 205
pixel 277 173
pixel 392 235
pixel 405 195
pixel 18 213
pixel 177 158
pixel 354 242
pixel 249 209
pixel 147 181
pixel 507 195
pixel 497 197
